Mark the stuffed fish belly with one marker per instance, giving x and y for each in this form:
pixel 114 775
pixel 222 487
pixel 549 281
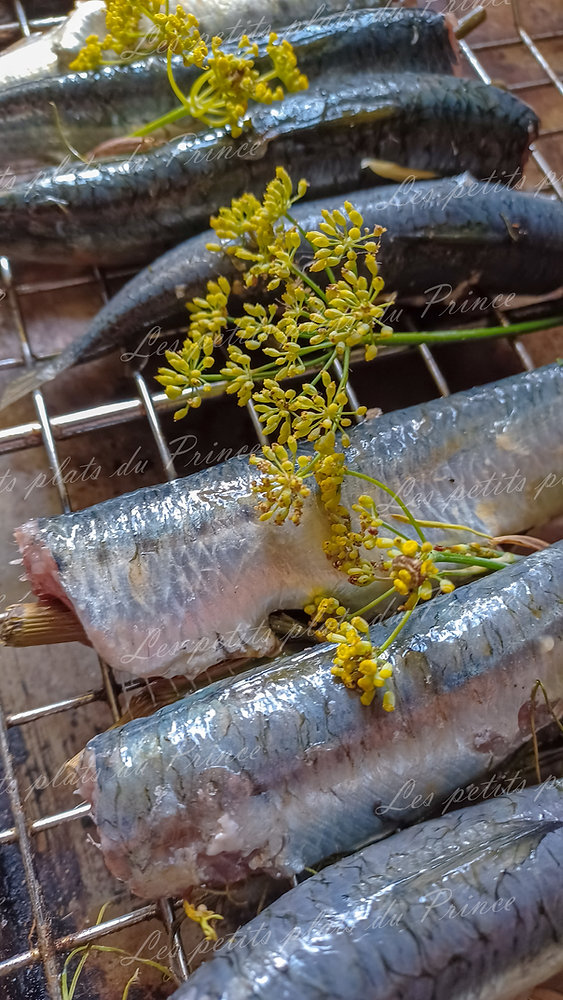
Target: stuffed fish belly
pixel 283 767
pixel 464 907
pixel 175 578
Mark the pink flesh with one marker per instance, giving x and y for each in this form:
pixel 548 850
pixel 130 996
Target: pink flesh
pixel 40 567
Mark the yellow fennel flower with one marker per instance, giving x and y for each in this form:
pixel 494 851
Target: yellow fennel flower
pixel 202 916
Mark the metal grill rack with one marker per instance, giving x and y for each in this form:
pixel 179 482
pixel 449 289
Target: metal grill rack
pixel 46 948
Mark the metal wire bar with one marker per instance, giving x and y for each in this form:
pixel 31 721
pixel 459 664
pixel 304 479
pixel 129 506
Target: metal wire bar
pixel 39 910
pixel 86 936
pixel 10 836
pixel 46 431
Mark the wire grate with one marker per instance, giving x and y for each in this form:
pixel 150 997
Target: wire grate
pixel 49 432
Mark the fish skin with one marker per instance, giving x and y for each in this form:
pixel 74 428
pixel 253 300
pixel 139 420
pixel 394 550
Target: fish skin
pixel 329 936
pixel 123 210
pixel 116 100
pixel 436 231
pixel 52 52
pixel 283 767
pixel 175 578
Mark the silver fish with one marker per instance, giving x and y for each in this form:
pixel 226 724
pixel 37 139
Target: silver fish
pixel 465 906
pixel 125 210
pixel 52 52
pixel 438 234
pixel 42 118
pixel 172 579
pixel 283 767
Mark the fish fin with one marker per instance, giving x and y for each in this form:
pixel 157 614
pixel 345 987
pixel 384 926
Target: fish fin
pixel 455 237
pixel 395 172
pixel 386 109
pixel 35 377
pixel 471 21
pixel 60 130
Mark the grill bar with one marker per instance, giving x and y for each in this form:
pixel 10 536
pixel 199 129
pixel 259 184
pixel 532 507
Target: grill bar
pixel 39 910
pixel 46 431
pixel 87 936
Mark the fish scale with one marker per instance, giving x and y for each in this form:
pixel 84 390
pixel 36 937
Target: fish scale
pixel 283 767
pixel 438 233
pixel 51 52
pixel 379 925
pixel 193 573
pixel 116 100
pixel 120 211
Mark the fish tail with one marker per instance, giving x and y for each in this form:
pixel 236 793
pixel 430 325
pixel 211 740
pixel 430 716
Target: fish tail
pixel 35 377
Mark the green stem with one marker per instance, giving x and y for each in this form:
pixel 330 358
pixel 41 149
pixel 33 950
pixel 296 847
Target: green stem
pixel 391 493
pixel 309 281
pixel 470 560
pixel 326 365
pixel 390 639
pixel 444 524
pixel 345 371
pixel 167 119
pixel 373 604
pixel 480 333
pixel 393 530
pixel 170 74
pixel 328 270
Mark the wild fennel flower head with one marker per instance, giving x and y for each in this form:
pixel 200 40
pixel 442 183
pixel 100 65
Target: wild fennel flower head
pixel 275 261
pixel 412 568
pixel 281 487
pixel 179 32
pixel 208 316
pixel 274 408
pixel 236 224
pixel 188 369
pixel 341 237
pixel 369 519
pixel 258 324
pixel 257 232
pixel 279 197
pixel 89 56
pixel 321 611
pixel 357 663
pixel 238 372
pixel 233 81
pixel 284 63
pixel 131 25
pixel 318 413
pixel 352 310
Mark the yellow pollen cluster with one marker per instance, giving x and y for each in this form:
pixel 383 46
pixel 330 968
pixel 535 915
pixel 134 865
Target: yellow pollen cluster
pixel 310 324
pixel 229 80
pixel 321 609
pixel 358 664
pixel 282 488
pixel 89 56
pixel 202 916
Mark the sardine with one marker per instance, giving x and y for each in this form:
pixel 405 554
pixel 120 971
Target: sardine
pixel 468 905
pixel 43 118
pixel 172 579
pixel 438 234
pixel 282 767
pixel 52 52
pixel 124 210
